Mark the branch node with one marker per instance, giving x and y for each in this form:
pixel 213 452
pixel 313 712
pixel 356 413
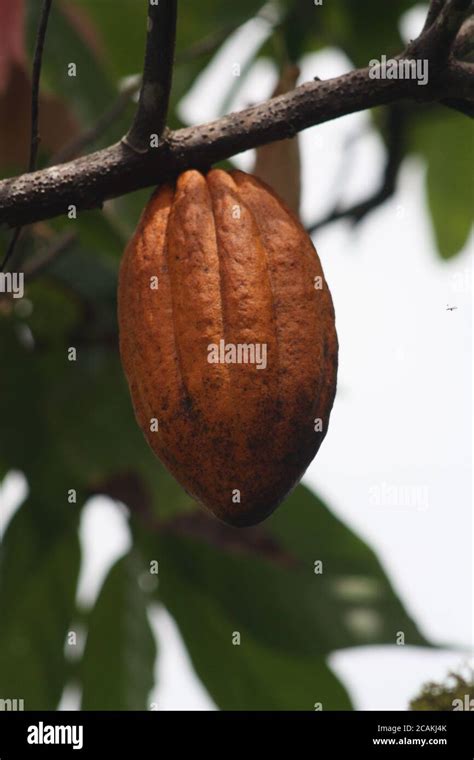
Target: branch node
pixel 139 149
pixel 152 108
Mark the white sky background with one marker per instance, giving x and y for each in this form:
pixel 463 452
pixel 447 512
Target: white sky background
pixel 402 415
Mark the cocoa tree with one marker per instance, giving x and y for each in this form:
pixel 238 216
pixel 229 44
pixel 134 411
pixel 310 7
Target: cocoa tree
pixel 69 426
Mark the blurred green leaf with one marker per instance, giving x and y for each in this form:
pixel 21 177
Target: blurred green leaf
pixel 101 233
pixel 92 89
pixel 363 30
pixel 307 529
pixel 116 672
pixel 276 597
pixel 124 39
pixel 369 29
pixel 76 414
pixel 121 28
pixel 446 141
pixel 129 209
pixel 249 676
pixel 106 440
pixel 39 568
pixel 25 444
pixel 92 278
pixel 199 20
pixel 46 299
pixel 352 576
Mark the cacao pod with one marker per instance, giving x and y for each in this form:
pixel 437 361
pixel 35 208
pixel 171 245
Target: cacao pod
pixel 228 341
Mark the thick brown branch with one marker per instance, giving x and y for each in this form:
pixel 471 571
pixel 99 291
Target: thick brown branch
pixel 88 181
pixel 463 47
pixel 157 75
pixel 436 40
pixel 433 13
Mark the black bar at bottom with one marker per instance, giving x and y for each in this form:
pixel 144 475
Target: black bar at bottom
pixel 312 734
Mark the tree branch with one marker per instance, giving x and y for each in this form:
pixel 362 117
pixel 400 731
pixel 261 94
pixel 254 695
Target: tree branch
pixel 446 21
pixel 436 41
pixel 395 153
pixel 157 75
pixel 117 170
pixel 38 58
pixel 11 247
pixel 463 47
pixel 77 146
pixel 433 13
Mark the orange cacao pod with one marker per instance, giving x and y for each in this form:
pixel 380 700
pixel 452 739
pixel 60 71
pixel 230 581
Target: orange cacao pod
pixel 228 341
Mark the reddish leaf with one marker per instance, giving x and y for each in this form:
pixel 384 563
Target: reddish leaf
pixel 12 38
pixel 278 164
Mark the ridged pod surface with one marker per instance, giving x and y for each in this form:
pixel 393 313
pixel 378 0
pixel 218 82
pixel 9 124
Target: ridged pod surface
pixel 219 265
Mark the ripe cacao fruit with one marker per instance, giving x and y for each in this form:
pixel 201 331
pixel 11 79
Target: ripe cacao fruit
pixel 228 341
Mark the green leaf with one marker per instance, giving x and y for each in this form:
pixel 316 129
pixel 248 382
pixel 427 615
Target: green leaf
pixel 23 435
pixel 106 439
pixel 198 21
pixel 306 528
pixel 43 393
pixel 261 583
pixel 100 232
pixel 40 561
pixel 117 668
pixel 309 27
pixel 47 298
pixel 130 207
pixel 92 90
pixel 124 39
pixel 363 41
pixel 446 142
pixel 350 574
pixel 249 676
pixel 121 28
pixel 272 604
pixel 274 594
